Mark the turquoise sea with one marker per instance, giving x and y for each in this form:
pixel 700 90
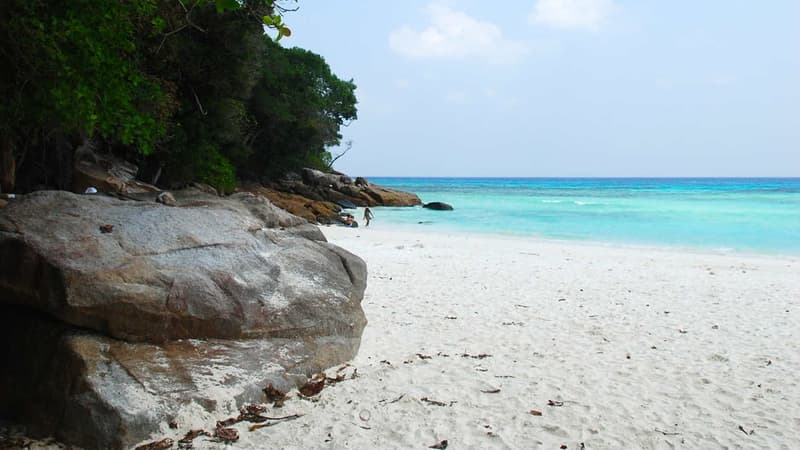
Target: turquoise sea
pixel 729 214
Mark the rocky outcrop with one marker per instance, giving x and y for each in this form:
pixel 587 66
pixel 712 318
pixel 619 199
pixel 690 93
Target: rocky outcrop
pixel 315 211
pixel 332 187
pixel 438 206
pixel 106 173
pixel 121 316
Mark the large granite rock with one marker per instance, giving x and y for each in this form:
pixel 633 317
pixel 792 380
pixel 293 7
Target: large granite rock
pixel 315 211
pixel 332 187
pixel 120 316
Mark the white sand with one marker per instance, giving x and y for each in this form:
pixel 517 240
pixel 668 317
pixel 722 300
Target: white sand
pixel 646 348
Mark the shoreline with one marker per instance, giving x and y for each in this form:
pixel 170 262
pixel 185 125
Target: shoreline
pixel 699 250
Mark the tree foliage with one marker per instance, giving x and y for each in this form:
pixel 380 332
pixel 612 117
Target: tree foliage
pixel 299 106
pixel 193 92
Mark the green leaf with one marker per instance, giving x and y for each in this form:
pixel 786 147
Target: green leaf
pixel 227 5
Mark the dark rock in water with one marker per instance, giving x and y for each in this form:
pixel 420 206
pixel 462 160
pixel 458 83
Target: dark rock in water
pixel 108 335
pixel 346 204
pixel 438 206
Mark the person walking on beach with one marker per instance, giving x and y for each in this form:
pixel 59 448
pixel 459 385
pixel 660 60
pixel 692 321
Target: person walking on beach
pixel 367 215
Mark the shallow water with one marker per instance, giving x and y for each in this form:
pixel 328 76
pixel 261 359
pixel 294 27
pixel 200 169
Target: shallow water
pixel 729 214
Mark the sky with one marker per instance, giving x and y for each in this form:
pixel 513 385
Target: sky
pixel 563 88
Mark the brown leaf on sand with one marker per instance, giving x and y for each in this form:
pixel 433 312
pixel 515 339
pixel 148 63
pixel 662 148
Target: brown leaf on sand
pixel 433 402
pixel 338 379
pixel 192 435
pixel 156 445
pixel 106 228
pixel 554 403
pixel 227 422
pixel 251 413
pixel 273 394
pixel 312 387
pixel 226 435
pixel 535 412
pixel 440 445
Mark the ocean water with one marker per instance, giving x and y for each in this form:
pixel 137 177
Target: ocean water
pixel 750 215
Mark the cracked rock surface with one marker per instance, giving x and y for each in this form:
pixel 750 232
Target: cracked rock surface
pixel 169 308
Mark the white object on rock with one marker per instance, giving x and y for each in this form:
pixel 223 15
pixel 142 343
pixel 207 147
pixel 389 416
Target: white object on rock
pixel 90 190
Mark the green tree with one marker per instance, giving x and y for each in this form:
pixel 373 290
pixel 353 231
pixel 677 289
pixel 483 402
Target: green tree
pixel 71 70
pixel 300 107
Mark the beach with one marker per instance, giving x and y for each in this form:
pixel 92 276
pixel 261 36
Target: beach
pixel 505 342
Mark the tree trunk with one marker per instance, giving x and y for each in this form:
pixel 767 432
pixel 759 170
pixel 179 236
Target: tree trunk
pixel 8 167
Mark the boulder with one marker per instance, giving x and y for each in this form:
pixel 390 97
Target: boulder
pixel 390 197
pixel 314 211
pixel 438 206
pixel 315 177
pixel 321 186
pixel 106 173
pixel 346 204
pixel 175 310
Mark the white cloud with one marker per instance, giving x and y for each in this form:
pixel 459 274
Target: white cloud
pixel 455 35
pixel 572 14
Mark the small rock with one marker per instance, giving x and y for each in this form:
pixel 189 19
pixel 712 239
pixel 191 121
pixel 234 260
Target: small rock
pixel 438 206
pixel 167 199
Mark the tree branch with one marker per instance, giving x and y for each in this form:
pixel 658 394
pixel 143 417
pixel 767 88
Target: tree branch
pixel 197 99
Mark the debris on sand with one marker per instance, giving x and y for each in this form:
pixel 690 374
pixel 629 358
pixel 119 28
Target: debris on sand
pixel 273 394
pixel 186 441
pixel 273 421
pixel 440 445
pixel 312 387
pixel 157 445
pixel 436 402
pixel 226 435
pixel 479 356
